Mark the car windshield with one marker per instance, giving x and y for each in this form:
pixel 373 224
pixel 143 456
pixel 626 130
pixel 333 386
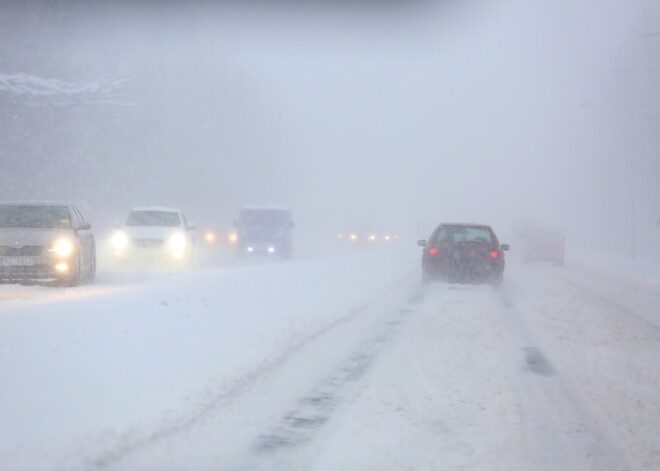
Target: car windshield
pixel 44 217
pixel 153 218
pixel 264 217
pixel 464 234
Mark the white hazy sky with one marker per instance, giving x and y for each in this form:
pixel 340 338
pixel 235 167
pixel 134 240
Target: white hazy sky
pixel 399 115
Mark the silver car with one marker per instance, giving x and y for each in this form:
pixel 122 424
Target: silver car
pixel 45 241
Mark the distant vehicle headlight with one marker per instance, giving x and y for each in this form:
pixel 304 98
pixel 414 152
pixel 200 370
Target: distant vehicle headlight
pixel 210 237
pixel 177 242
pixel 119 240
pixel 63 247
pixel 372 237
pixel 353 236
pixel 233 237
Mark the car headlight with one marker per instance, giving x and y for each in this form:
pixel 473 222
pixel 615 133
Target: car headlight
pixel 119 240
pixel 63 247
pixel 177 242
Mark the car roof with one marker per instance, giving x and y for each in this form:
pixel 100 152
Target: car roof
pixel 464 224
pixel 156 208
pixel 271 207
pixel 35 203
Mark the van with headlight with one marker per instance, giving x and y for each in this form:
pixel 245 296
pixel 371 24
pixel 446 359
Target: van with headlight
pixel 45 241
pixel 154 234
pixel 264 230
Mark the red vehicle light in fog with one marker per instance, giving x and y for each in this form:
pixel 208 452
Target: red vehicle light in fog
pixel 493 254
pixel 433 251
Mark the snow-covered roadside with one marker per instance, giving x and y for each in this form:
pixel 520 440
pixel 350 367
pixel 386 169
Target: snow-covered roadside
pixel 83 369
pixel 601 331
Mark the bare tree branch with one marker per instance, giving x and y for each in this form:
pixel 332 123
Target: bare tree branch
pixel 38 92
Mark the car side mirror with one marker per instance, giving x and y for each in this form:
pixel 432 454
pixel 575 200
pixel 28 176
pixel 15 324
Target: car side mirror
pixel 504 247
pixel 116 224
pixel 421 243
pixel 85 226
pixel 192 226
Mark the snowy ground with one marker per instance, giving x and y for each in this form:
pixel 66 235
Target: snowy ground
pixel 333 363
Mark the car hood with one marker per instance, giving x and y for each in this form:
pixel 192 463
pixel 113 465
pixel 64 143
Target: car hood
pixel 20 237
pixel 151 232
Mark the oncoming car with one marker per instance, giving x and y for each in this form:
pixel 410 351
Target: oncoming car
pixel 45 241
pixel 366 238
pixel 463 253
pixel 264 230
pixel 154 234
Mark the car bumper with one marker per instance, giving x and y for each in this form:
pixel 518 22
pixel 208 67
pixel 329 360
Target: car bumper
pixel 463 270
pixel 33 268
pixel 161 254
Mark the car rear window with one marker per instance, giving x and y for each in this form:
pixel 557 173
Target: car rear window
pixel 464 234
pixel 153 218
pixel 40 217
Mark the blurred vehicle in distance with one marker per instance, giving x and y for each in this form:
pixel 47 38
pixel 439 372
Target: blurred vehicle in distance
pixel 366 238
pixel 463 253
pixel 264 230
pixel 542 244
pixel 154 234
pixel 216 236
pixel 42 241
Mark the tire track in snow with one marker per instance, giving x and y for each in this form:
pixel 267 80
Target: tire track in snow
pixel 563 434
pixel 112 456
pixel 302 423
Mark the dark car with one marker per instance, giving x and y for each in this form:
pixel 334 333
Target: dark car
pixel 264 230
pixel 45 241
pixel 464 253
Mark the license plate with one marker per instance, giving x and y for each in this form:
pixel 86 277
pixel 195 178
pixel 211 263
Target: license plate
pixel 16 261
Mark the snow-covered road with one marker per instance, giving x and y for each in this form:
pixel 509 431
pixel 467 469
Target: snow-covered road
pixel 332 363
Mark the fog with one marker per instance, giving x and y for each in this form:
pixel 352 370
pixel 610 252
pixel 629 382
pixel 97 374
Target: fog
pixel 393 115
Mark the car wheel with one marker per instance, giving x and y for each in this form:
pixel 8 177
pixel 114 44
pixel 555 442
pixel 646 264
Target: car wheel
pixel 91 271
pixel 497 280
pixel 73 278
pixel 426 277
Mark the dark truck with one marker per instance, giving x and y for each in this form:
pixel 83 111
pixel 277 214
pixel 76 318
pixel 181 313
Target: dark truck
pixel 264 230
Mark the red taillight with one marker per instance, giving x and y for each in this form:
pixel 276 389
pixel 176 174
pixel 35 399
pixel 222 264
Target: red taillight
pixel 433 251
pixel 494 254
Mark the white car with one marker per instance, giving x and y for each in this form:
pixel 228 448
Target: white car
pixel 154 234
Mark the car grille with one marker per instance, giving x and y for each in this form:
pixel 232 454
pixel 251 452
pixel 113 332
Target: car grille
pixel 27 251
pixel 148 243
pixel 35 272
